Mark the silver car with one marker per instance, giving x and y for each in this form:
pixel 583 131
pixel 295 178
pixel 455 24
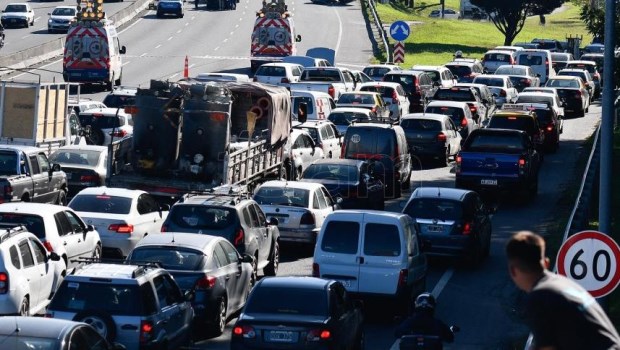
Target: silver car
pixel 61 18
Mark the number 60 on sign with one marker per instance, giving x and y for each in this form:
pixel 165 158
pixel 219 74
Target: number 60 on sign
pixel 591 258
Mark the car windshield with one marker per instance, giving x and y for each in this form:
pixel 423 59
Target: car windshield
pixel 455 113
pixel 82 157
pixel 503 143
pixel 376 72
pixel 459 70
pixel 340 172
pixel 418 124
pixel 489 81
pixel 8 163
pixel 297 197
pixel 562 83
pixel 34 223
pixel 271 71
pixel 460 95
pixel 511 71
pixel 101 204
pixel 345 118
pixel 287 301
pixel 121 299
pixel 405 80
pixel 15 8
pixel 434 208
pixel 202 217
pixel 170 258
pixel 63 12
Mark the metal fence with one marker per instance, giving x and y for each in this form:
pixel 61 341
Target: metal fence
pixel 380 29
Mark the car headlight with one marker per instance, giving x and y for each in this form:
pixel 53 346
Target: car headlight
pixel 50 21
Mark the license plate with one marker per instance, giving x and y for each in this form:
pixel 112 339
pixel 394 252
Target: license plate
pixel 488 182
pixel 280 336
pixel 434 228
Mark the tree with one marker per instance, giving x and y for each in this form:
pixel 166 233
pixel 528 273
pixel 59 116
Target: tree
pixel 509 16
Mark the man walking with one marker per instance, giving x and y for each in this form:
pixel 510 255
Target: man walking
pixel 561 314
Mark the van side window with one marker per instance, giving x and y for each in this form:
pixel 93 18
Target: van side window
pixel 341 237
pixel 381 240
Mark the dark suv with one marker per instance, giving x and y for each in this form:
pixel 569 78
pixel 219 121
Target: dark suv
pixel 238 219
pixel 467 94
pixel 417 84
pixel 386 144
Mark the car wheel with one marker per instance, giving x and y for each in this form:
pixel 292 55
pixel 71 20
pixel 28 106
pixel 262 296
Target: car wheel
pixel 219 323
pixel 397 190
pixel 96 137
pixel 62 197
pixel 118 81
pixel 101 321
pixel 254 276
pixel 297 175
pixel 274 261
pixel 446 161
pixel 97 252
pixel 587 110
pixel 24 307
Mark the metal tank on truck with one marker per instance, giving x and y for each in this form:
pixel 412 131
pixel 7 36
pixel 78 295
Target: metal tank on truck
pixel 191 136
pixel 273 36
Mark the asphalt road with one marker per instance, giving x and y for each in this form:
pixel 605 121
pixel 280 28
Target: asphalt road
pixel 482 301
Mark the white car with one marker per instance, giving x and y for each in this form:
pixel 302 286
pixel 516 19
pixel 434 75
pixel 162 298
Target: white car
pixel 344 116
pixel 299 152
pixel 300 207
pixel 551 99
pixel 17 14
pixel 393 94
pixel 440 75
pixel 59 228
pixel 29 273
pixel 122 216
pixel 107 124
pixel 325 135
pixel 279 73
pixel 85 104
pixel 205 77
pixel 61 18
pixel 459 112
pixel 501 87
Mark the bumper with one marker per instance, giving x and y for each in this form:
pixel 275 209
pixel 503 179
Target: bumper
pixel 58 26
pixel 432 150
pixel 9 304
pixel 298 235
pixel 449 245
pixel 503 183
pixel 173 11
pixel 8 22
pixel 121 245
pixel 86 75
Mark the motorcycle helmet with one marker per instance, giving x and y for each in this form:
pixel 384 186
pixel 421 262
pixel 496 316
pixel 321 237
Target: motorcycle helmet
pixel 425 301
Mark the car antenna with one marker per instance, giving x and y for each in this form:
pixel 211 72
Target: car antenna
pixel 173 239
pixel 16 326
pixel 438 192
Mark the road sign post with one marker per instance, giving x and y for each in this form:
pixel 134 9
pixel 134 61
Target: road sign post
pixel 591 258
pixel 399 31
pixel 399 52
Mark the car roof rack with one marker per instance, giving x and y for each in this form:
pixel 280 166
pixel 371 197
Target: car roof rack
pixel 140 270
pixel 235 193
pixel 11 230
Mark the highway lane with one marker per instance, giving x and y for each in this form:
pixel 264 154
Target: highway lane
pixel 17 39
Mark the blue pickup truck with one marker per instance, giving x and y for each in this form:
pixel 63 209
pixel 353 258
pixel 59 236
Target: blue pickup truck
pixel 498 160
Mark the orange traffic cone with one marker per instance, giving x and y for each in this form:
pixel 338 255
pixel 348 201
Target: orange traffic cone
pixel 186 68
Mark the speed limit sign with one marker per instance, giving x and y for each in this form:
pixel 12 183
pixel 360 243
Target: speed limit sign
pixel 591 258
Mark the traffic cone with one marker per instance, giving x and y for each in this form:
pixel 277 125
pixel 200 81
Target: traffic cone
pixel 186 68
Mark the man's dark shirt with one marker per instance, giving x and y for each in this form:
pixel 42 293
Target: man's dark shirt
pixel 562 314
pixel 424 323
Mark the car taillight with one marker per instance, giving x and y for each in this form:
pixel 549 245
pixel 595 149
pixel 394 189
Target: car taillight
pixel 239 237
pixel 48 246
pixel 578 94
pixel 526 82
pixel 119 133
pixel 464 122
pixel 522 163
pixel 402 278
pixel 255 79
pixel 502 93
pixel 316 270
pixel 441 137
pixel 395 99
pixel 8 191
pixel 284 81
pixel 164 228
pixel 473 109
pixel 89 178
pixel 318 335
pixel 205 282
pixel 4 283
pixel 549 128
pixel 331 91
pixel 307 219
pixel 244 331
pixel 121 228
pixel 467 228
pixel 146 331
pixel 459 159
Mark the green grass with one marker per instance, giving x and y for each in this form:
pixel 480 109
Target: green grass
pixel 434 41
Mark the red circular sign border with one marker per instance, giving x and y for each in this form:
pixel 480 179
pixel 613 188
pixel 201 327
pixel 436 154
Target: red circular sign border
pixel 601 237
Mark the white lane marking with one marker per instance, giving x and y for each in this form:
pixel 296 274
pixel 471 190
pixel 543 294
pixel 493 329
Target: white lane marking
pixel 25 36
pixel 241 19
pixel 125 63
pixel 170 38
pixel 225 40
pixel 339 33
pixel 144 54
pixel 443 281
pixel 36 19
pixel 186 24
pixel 131 25
pixel 193 17
pixel 180 30
pixel 217 48
pixel 191 65
pixel 233 32
pixel 236 26
pixel 173 75
pixel 158 46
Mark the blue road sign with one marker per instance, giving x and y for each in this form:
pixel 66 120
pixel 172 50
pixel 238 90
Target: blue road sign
pixel 399 30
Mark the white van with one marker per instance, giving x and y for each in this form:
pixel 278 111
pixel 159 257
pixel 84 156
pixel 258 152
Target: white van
pixel 319 104
pixel 540 61
pixel 373 254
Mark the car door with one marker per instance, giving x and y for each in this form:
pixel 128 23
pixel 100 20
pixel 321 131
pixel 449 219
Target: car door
pixel 331 144
pixel 83 248
pixel 148 219
pixel 320 208
pixel 307 151
pixel 171 309
pixel 40 180
pixel 51 180
pixel 417 263
pixel 341 310
pixel 403 101
pixel 259 226
pixel 32 272
pixel 337 251
pixel 68 240
pixel 455 136
pixel 233 276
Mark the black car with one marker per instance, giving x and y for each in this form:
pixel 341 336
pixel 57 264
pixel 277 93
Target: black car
pixel 417 84
pixel 451 222
pixel 465 70
pixel 299 313
pixel 352 180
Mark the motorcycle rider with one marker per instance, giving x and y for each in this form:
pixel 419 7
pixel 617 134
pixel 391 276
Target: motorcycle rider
pixel 423 322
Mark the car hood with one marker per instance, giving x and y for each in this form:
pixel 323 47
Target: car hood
pixel 15 14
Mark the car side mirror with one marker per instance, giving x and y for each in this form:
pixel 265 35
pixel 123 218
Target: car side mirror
pixel 122 50
pixel 247 258
pixel 53 256
pixel 55 167
pixel 90 228
pixel 302 113
pixel 164 207
pixel 339 200
pixel 273 222
pixel 189 295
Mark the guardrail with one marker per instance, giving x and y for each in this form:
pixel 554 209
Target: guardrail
pixel 381 29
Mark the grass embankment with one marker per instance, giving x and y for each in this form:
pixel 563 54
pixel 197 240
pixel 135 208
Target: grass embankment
pixel 434 41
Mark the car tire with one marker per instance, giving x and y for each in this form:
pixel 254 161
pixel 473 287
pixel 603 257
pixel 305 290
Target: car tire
pixel 118 81
pixel 254 276
pixel 219 323
pixel 24 307
pixel 397 190
pixel 96 253
pixel 271 269
pixel 101 321
pixel 96 137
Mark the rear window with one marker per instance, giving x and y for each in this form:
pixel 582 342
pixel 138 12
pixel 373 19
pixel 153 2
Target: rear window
pixel 381 240
pixel 339 172
pixel 489 81
pixel 386 92
pixel 271 71
pixel 202 217
pixel 119 101
pixel 573 74
pixel 535 99
pixel 82 157
pixel 320 75
pixel 114 299
pixel 63 12
pixel 407 81
pixel 459 95
pixel 8 163
pixel 530 60
pixel 376 72
pixel 296 197
pixel 299 99
pixel 456 114
pixel 357 99
pixel 500 57
pixel 559 57
pixel 287 301
pixel 590 68
pixel 345 118
pixel 516 123
pixel 434 208
pixel 547 45
pixel 99 121
pixel 33 223
pixel 341 237
pixel 459 70
pixel 101 204
pixel 421 125
pixel 510 71
pixel 494 142
pixel 169 258
pixel 544 116
pixel 369 142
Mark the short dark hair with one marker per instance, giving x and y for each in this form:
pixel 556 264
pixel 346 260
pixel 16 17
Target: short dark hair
pixel 526 250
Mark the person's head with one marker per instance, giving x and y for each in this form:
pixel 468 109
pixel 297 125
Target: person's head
pixel 425 302
pixel 458 54
pixel 526 258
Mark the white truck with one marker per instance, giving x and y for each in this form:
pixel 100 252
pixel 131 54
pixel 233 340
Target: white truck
pixel 39 115
pixel 331 80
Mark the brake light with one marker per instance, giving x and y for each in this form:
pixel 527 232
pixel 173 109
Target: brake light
pixel 244 331
pixel 146 331
pixel 119 133
pixel 578 94
pixel 464 122
pixel 4 283
pixel 8 191
pixel 467 228
pixel 526 82
pixel 89 178
pixel 318 335
pixel 48 246
pixel 206 282
pixel 255 79
pixel 395 99
pixel 521 164
pixel 164 228
pixel 316 270
pixel 121 228
pixel 441 137
pixel 502 93
pixel 402 278
pixel 284 81
pixel 239 237
pixel 473 109
pixel 550 128
pixel 459 159
pixel 307 219
pixel 331 91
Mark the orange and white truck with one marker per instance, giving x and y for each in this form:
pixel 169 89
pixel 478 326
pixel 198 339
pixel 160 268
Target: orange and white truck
pixel 92 53
pixel 273 36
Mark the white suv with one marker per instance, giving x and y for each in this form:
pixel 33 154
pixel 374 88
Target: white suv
pixel 325 135
pixel 29 275
pixel 279 73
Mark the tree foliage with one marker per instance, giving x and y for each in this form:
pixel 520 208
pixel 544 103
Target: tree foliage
pixel 509 16
pixel 594 19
